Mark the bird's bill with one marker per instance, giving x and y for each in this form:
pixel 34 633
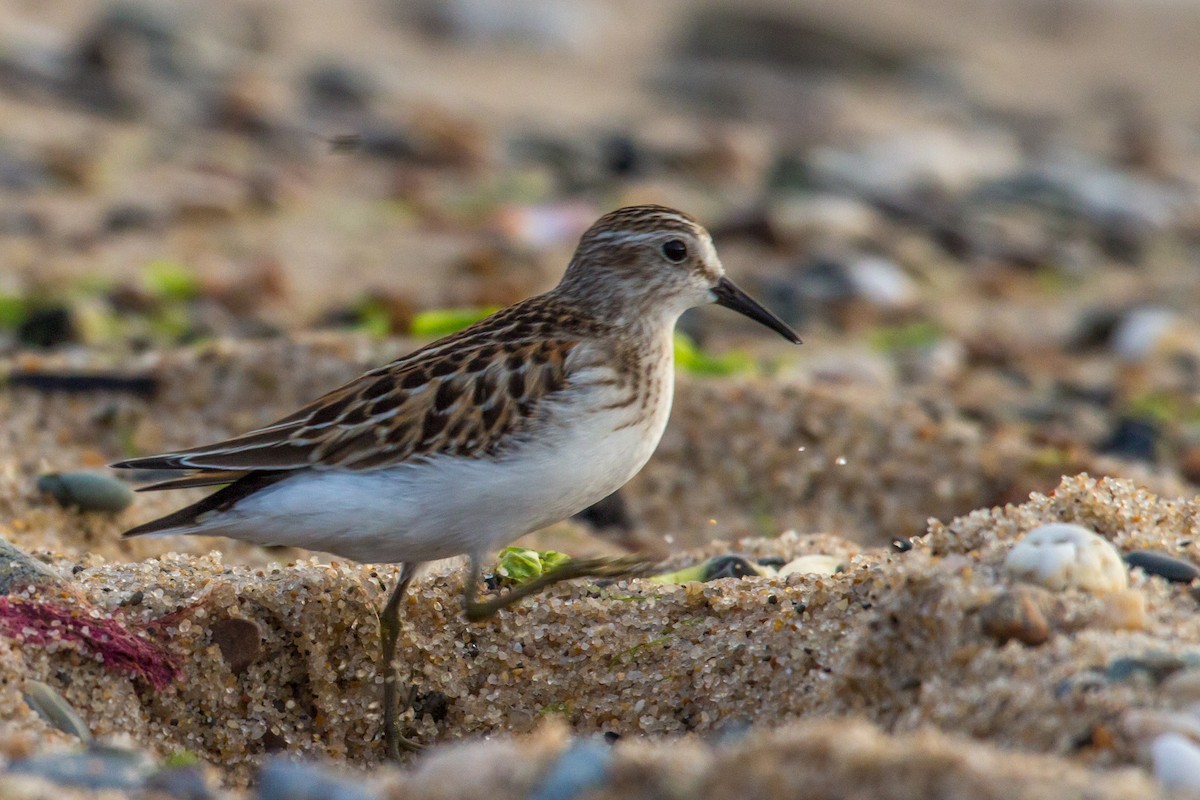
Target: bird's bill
pixel 729 295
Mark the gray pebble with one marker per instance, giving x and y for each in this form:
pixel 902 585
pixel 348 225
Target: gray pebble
pixel 54 708
pixel 87 491
pixel 1156 666
pixel 180 783
pixel 287 780
pixel 19 570
pixel 580 768
pixel 1163 565
pixel 98 768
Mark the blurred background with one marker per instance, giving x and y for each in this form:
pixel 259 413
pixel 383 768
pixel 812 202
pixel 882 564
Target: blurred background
pixel 984 210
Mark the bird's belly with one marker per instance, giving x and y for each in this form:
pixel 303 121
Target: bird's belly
pixel 447 505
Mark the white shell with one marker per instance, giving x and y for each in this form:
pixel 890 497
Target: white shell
pixel 1176 762
pixel 814 564
pixel 1062 556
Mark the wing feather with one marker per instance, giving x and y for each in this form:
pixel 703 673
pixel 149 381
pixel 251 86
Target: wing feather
pixel 462 400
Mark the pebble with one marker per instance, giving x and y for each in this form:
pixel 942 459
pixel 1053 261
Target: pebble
pixel 580 768
pixel 729 567
pixel 1134 439
pixel 1124 610
pixel 1176 762
pixel 98 768
pixel 180 783
pixel 1164 566
pixel 54 708
pixel 801 218
pixel 48 327
pixel 1139 333
pixel 814 564
pixel 897 165
pixel 286 780
pixel 1157 666
pixel 1016 614
pixel 87 491
pixel 1063 556
pixel 18 571
pixel 240 641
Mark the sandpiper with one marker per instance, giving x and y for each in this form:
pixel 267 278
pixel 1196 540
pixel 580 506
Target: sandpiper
pixel 514 423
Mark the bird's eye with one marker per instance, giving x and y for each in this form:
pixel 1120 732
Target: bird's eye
pixel 675 250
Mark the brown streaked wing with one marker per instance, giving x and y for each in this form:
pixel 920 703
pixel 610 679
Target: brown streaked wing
pixel 412 408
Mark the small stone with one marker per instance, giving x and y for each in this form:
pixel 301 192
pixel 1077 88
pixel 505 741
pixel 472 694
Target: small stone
pixel 19 571
pixel 729 567
pixel 1157 666
pixel 1163 565
pixel 180 783
pixel 580 768
pixel 240 641
pixel 105 768
pixel 1139 334
pixel 1063 556
pixel 435 704
pixel 813 564
pixel 53 707
pixel 1016 614
pixel 1183 687
pixel 48 327
pixel 284 780
pixel 1124 610
pixel 87 491
pixel 1176 762
pixel 1133 439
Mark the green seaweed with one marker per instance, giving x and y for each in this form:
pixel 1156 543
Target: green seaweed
pixel 170 280
pixel 13 310
pixel 890 338
pixel 518 565
pixel 690 358
pixel 181 758
pixel 445 321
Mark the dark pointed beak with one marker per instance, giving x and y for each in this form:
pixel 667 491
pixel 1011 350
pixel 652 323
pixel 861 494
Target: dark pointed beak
pixel 729 295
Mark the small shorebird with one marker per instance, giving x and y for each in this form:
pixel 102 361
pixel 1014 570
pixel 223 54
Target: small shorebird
pixel 512 424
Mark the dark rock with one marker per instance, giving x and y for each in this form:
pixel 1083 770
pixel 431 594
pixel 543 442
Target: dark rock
pixel 622 156
pixel 434 703
pixel 87 491
pixel 1163 565
pixel 119 55
pixel 132 217
pixel 785 40
pixel 1135 439
pixel 240 641
pixel 47 327
pixel 728 567
pixel 337 89
pixel 273 743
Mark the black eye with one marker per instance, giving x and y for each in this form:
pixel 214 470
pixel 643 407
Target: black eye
pixel 675 250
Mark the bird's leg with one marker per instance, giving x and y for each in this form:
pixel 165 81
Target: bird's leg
pixel 606 567
pixel 389 632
